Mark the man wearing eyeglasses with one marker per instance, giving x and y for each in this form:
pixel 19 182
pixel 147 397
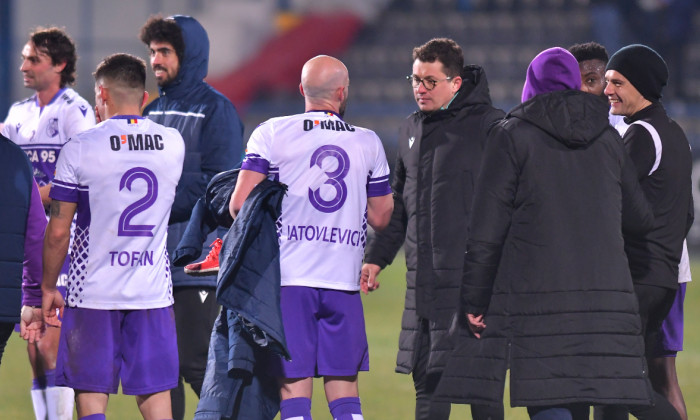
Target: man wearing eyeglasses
pixel 440 148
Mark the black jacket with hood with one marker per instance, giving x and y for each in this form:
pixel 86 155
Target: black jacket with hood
pixel 546 263
pixel 434 175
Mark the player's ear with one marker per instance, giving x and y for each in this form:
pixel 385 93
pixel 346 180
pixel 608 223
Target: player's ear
pixel 301 90
pixel 58 67
pixel 340 93
pixel 456 84
pixel 104 93
pixel 145 98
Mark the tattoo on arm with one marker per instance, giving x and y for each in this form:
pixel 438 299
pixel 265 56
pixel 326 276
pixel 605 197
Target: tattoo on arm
pixel 55 208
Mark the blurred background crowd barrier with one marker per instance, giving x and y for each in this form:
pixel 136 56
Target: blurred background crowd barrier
pixel 259 46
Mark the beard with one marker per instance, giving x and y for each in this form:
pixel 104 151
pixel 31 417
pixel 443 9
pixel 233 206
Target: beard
pixel 167 78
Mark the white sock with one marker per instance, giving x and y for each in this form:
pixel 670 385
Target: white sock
pixel 39 403
pixel 59 403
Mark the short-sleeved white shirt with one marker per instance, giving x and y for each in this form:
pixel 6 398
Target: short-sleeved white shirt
pixel 41 133
pixel 122 174
pixel 331 168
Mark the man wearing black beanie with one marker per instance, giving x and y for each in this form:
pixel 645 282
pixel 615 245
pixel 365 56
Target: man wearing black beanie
pixel 635 77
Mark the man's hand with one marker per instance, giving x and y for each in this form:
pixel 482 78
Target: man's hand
pixel 368 278
pixel 476 324
pixel 52 306
pixel 31 324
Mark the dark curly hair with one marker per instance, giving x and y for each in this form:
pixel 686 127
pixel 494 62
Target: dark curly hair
pixel 589 51
pixel 445 50
pixel 56 43
pixel 161 29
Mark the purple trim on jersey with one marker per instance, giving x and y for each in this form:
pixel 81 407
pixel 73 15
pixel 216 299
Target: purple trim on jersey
pixel 33 243
pixel 64 191
pixel 41 108
pixel 378 187
pixel 83 219
pixel 256 163
pixel 43 157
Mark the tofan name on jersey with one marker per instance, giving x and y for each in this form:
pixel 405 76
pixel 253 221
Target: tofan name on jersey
pixel 131 258
pixel 334 125
pixel 136 142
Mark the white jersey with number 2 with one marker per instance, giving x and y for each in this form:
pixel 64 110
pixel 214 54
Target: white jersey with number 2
pixel 330 167
pixel 122 174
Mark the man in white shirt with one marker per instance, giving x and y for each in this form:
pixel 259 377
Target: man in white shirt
pixel 338 182
pixel 41 125
pixel 120 178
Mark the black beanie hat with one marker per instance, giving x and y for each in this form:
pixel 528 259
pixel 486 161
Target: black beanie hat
pixel 643 67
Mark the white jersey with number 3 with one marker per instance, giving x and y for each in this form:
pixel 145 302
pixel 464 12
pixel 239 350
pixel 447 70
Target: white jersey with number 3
pixel 122 174
pixel 330 167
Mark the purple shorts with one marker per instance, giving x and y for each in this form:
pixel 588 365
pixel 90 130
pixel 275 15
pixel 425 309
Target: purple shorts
pixel 671 331
pixel 98 347
pixel 325 331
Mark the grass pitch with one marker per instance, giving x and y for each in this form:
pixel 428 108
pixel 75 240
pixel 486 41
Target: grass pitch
pixel 385 395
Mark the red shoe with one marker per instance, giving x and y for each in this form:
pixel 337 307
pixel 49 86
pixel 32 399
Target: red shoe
pixel 210 265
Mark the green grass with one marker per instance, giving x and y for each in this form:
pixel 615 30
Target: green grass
pixel 385 395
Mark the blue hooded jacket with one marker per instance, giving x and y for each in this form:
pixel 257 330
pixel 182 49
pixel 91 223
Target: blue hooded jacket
pixel 210 126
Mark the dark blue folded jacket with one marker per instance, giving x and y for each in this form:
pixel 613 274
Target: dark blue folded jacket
pixel 249 330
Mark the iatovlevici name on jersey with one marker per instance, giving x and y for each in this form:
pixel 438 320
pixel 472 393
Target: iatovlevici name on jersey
pixel 325 234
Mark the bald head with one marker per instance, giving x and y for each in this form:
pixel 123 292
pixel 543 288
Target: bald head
pixel 323 83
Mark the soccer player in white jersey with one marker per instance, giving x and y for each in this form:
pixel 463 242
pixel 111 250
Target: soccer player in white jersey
pixel 118 322
pixel 40 125
pixel 338 180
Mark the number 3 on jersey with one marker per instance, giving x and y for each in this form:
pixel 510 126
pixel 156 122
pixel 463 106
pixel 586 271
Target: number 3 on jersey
pixel 335 178
pixel 125 226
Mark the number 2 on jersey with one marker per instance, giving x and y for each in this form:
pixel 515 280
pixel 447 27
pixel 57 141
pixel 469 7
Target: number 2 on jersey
pixel 126 228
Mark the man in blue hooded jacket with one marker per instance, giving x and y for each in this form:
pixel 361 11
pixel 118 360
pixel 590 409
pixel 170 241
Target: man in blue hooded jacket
pixel 179 56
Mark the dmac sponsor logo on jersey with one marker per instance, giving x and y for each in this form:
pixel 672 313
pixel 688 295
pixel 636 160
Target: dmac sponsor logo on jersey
pixel 137 142
pixel 335 125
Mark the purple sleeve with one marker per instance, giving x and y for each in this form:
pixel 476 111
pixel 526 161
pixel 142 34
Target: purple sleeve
pixel 378 187
pixel 33 244
pixel 256 163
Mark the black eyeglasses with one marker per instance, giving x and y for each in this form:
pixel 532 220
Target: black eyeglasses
pixel 428 83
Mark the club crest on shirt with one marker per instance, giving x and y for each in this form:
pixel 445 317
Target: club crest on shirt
pixel 410 141
pixel 52 127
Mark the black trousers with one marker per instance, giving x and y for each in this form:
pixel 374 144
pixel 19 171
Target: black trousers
pixel 425 385
pixel 6 329
pixel 196 310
